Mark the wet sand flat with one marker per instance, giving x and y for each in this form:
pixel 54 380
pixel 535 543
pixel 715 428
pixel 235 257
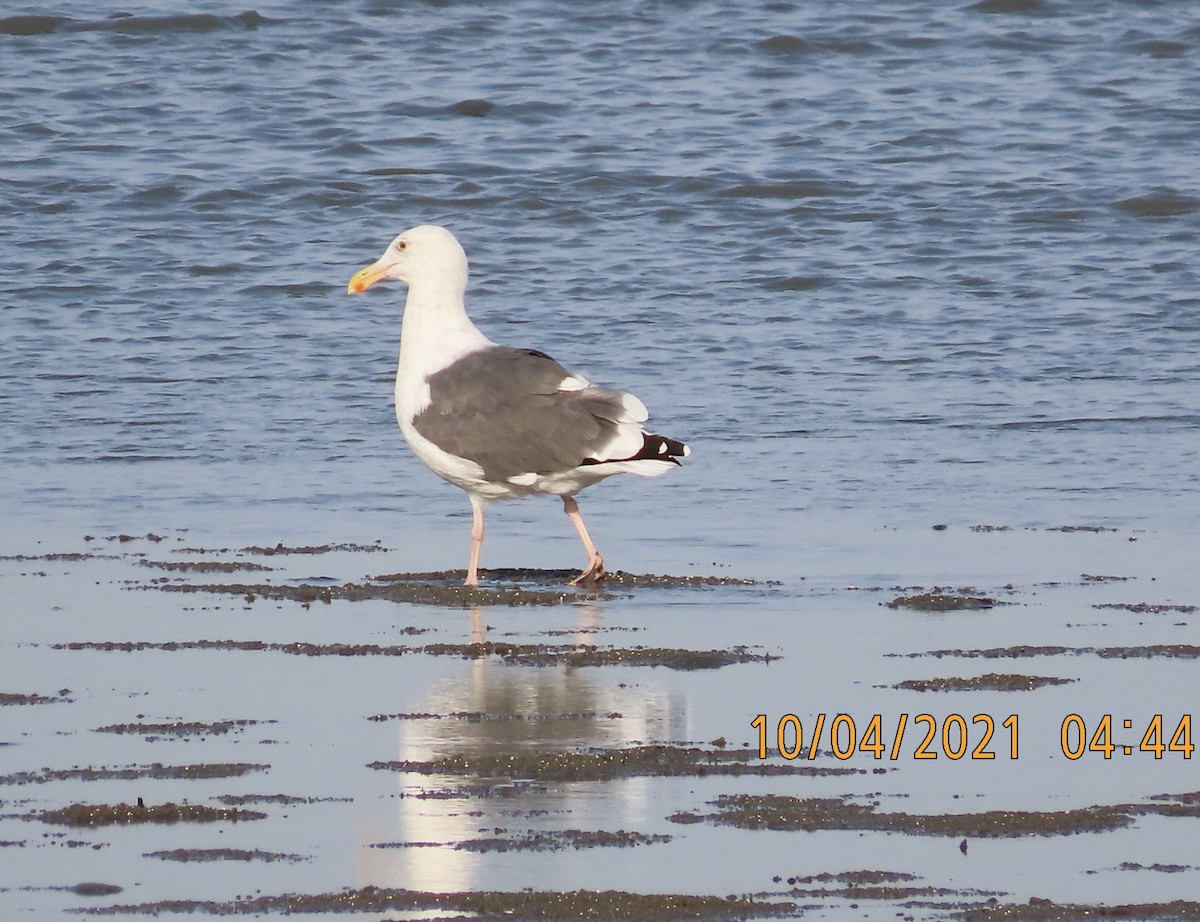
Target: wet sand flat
pixel 818 746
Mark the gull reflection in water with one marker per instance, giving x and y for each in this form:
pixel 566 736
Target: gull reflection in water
pixel 491 708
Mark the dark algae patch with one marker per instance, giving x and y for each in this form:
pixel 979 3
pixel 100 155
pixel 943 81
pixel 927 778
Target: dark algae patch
pixel 511 653
pixel 179 728
pixel 282 549
pixel 853 879
pixel 1174 651
pixel 542 577
pixel 1157 868
pixel 545 841
pixel 1021 651
pixel 1042 910
pixel 778 812
pixel 155 770
pixel 666 581
pixel 91 815
pixel 188 855
pixel 94 888
pixel 941 600
pixel 1145 608
pixel 562 839
pixel 16 698
pixel 1171 805
pixel 863 885
pixel 449 594
pixel 204 566
pixel 482 717
pixel 606 764
pixel 610 905
pixel 509 587
pixel 240 800
pixel 993 681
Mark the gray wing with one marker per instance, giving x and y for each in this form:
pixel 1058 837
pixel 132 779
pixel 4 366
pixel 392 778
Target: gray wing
pixel 503 409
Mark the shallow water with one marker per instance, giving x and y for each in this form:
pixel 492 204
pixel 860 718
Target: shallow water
pixel 884 269
pixel 319 735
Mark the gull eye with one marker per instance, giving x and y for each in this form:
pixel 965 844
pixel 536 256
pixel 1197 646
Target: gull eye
pixel 401 244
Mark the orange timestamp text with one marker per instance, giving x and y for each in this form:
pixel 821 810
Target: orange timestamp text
pixel 953 736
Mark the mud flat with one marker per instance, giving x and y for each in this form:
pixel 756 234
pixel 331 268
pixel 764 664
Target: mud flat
pixel 771 811
pixel 991 681
pixel 589 904
pixel 661 747
pixel 129 814
pixel 500 587
pixel 516 654
pixel 607 764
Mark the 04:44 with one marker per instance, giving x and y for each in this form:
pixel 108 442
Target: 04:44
pixel 1076 740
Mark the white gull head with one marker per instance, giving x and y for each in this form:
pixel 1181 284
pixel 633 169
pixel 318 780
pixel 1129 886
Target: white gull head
pixel 421 256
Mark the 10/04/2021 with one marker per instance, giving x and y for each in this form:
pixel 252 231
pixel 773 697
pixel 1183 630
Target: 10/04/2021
pixel 950 737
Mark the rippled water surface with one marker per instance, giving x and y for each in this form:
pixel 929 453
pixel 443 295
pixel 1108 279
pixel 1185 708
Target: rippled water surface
pixel 881 260
pixel 884 267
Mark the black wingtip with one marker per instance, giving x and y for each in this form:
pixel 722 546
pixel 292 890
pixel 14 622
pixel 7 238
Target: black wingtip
pixel 661 448
pixel 654 448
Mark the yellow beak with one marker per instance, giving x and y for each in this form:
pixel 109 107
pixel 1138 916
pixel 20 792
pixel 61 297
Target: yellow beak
pixel 365 278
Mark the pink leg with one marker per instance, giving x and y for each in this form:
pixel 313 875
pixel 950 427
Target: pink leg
pixel 594 571
pixel 476 542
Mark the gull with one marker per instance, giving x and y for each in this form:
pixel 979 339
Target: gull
pixel 502 422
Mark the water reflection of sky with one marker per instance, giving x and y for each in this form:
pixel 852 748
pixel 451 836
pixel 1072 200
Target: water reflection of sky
pixel 520 710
